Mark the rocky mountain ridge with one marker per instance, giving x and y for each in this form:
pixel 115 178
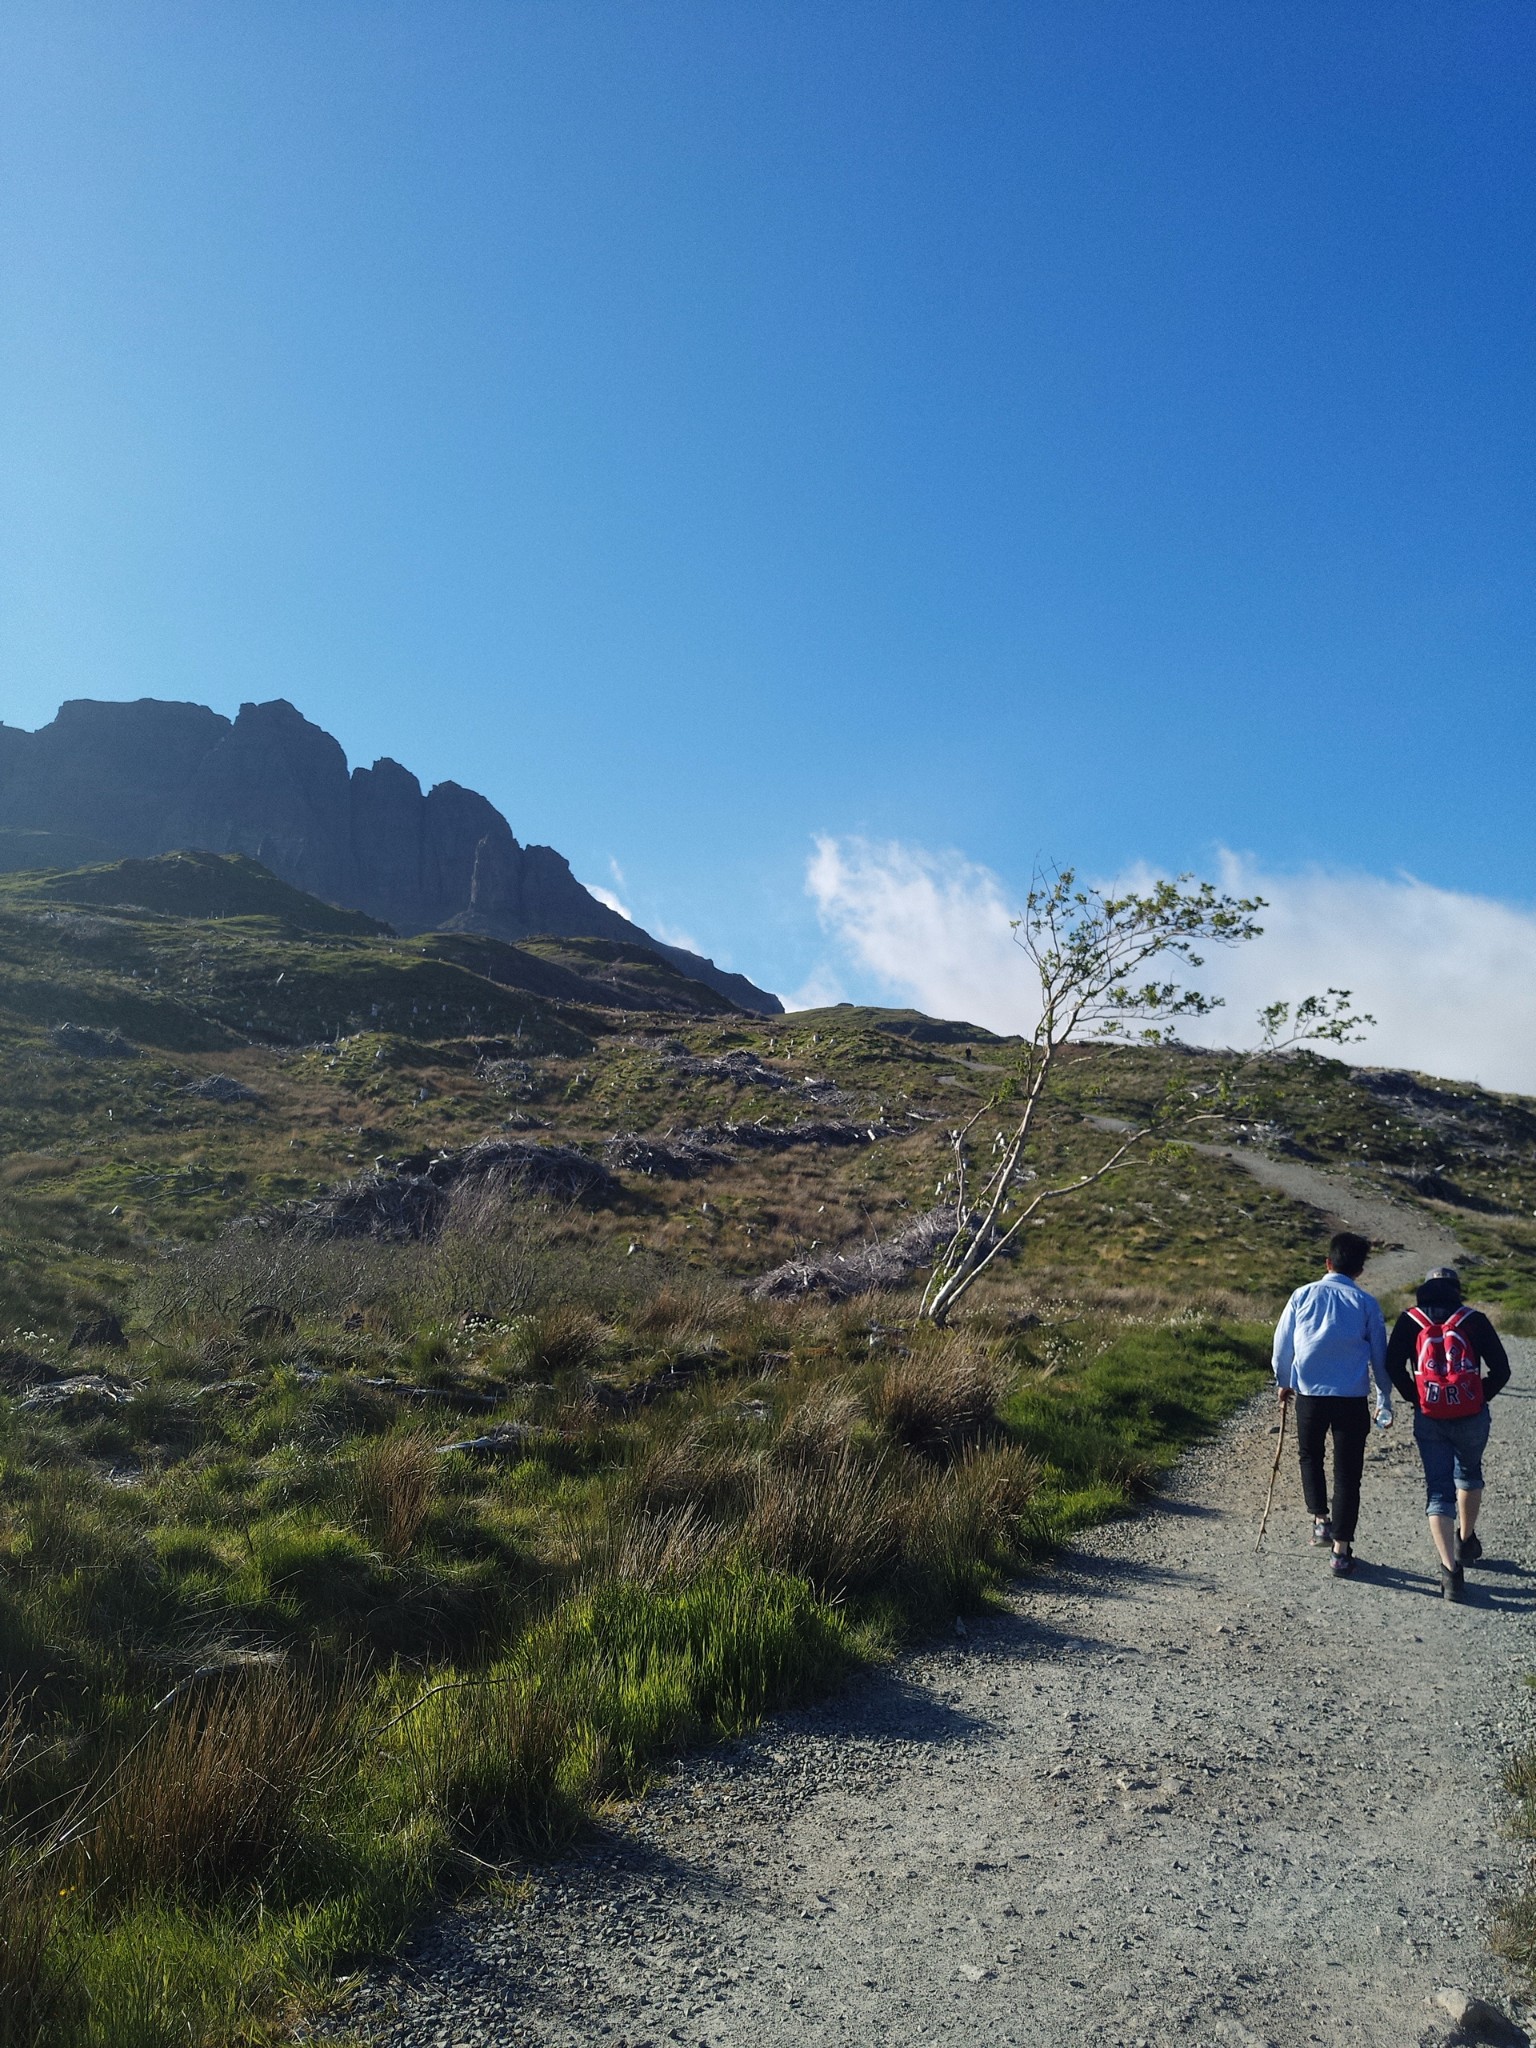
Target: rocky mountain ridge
pixel 110 781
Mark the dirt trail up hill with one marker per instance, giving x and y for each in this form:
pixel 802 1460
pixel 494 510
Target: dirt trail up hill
pixel 1176 1793
pixel 1410 1242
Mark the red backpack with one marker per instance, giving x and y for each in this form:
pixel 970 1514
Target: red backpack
pixel 1446 1373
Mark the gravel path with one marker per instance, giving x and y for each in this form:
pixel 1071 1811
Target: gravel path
pixel 1409 1242
pixel 1176 1793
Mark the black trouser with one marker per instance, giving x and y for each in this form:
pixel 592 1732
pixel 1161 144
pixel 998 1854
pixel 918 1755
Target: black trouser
pixel 1350 1422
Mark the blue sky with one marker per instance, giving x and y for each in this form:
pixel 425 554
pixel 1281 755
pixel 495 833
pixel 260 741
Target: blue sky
pixel 1092 430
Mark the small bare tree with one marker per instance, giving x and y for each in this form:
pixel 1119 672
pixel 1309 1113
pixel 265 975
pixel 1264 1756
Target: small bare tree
pixel 1097 957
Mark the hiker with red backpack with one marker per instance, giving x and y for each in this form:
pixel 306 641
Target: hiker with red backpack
pixel 1437 1356
pixel 1330 1343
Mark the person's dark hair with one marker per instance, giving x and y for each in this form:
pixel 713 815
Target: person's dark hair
pixel 1348 1252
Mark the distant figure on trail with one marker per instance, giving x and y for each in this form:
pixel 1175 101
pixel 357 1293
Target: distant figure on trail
pixel 1436 1358
pixel 1330 1342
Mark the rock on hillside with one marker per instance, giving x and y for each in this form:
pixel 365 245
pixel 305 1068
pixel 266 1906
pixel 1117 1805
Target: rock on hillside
pixel 113 781
pixel 413 1197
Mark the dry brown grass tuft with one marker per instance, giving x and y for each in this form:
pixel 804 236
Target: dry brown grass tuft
pixel 393 1485
pixel 665 1549
pixel 210 1794
pixel 955 1521
pixel 817 1429
pixel 560 1338
pixel 839 1530
pixel 673 1315
pixel 943 1395
pixel 691 1468
pixel 1001 1481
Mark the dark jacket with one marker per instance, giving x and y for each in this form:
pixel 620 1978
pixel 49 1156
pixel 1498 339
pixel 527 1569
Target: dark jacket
pixel 1440 1302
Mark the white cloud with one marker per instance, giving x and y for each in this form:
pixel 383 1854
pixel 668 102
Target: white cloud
pixel 931 929
pixel 670 935
pixel 1450 977
pixel 818 991
pixel 607 896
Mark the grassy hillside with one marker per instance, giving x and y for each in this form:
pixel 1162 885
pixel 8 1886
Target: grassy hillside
pixel 336 1565
pixel 203 885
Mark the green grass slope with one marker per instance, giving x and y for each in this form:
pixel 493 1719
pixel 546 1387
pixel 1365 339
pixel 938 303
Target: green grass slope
pixel 202 885
pixel 358 1565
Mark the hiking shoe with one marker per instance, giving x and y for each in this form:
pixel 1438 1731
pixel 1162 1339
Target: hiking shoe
pixel 1468 1550
pixel 1452 1585
pixel 1322 1532
pixel 1342 1563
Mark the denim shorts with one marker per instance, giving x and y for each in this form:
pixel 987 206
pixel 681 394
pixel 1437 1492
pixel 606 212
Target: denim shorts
pixel 1453 1457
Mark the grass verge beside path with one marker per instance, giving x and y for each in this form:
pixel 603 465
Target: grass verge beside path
pixel 1105 1431
pixel 1516 1935
pixel 389 1669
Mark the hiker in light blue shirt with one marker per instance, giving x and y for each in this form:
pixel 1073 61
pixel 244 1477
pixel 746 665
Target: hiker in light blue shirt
pixel 1330 1344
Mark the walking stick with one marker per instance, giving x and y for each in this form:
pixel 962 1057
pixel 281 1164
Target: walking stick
pixel 1274 1474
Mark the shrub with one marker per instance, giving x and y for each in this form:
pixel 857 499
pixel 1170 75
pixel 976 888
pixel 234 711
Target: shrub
pixel 36 1982
pixel 210 1794
pixel 942 1395
pixel 254 1267
pixel 485 1261
pixel 817 1429
pixel 488 1260
pixel 555 1340
pixel 689 1466
pixel 393 1486
pixel 839 1532
pixel 499 1758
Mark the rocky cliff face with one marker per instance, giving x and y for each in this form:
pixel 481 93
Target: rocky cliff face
pixel 111 781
